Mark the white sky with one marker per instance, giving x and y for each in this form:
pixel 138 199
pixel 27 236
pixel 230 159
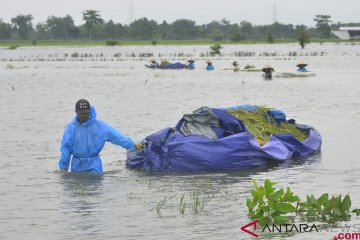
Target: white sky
pixel 255 11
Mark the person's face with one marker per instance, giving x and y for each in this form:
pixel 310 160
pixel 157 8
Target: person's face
pixel 83 116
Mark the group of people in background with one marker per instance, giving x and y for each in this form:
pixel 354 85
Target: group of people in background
pixel 267 69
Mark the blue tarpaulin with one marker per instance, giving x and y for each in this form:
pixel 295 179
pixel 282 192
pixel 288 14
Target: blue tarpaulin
pixel 170 150
pixel 176 65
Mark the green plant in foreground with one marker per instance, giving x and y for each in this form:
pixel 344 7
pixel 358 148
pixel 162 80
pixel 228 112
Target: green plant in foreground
pixel 356 211
pixel 269 205
pixel 325 209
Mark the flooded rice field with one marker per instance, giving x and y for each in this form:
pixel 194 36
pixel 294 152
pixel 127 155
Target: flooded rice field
pixel 40 85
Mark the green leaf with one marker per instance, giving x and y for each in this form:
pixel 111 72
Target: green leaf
pixel 250 203
pixel 294 199
pixel 337 212
pixel 311 212
pixel 303 205
pixel 356 211
pixel 265 208
pixel 288 194
pixel 286 208
pixel 278 194
pixel 264 220
pixel 253 193
pixel 346 203
pixel 281 219
pixel 255 184
pixel 338 201
pixel 268 187
pixel 310 199
pixel 321 201
pixel 260 195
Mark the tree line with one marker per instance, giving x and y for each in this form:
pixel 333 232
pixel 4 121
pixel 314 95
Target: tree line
pixel 96 28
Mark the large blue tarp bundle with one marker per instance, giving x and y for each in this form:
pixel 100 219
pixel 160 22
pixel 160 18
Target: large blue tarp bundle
pixel 221 142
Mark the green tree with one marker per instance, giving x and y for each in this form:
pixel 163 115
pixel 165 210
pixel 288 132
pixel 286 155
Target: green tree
pixel 185 29
pixel 22 25
pixel 322 25
pixel 92 18
pixel 5 30
pixel 143 29
pixel 112 30
pixel 62 27
pixel 42 31
pixel 270 38
pixel 303 38
pixel 246 28
pixel 238 37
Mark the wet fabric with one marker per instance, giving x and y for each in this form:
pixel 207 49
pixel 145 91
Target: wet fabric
pixel 191 66
pixel 173 66
pixel 302 69
pixel 82 143
pixel 268 75
pixel 200 122
pixel 169 150
pixel 210 67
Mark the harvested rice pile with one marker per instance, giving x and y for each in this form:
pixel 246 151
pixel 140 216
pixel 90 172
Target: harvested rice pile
pixel 261 127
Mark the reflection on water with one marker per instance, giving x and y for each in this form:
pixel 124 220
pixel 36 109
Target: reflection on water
pixel 40 88
pixel 82 198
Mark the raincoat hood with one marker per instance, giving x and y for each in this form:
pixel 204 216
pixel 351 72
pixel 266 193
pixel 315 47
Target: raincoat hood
pixel 92 117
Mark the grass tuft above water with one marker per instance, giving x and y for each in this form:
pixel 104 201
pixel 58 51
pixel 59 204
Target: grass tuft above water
pixel 261 127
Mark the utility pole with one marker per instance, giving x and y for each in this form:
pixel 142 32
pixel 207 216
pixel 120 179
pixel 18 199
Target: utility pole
pixel 274 13
pixel 131 11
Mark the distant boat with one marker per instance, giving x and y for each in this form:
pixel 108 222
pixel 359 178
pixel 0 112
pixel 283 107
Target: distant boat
pixel 176 65
pixel 251 70
pixel 295 74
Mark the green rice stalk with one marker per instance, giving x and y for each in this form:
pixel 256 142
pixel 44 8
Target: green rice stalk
pixel 261 127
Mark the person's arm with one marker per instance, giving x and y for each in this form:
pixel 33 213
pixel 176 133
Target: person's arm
pixel 66 150
pixel 116 137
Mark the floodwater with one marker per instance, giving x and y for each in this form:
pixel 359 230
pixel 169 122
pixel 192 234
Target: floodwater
pixel 40 85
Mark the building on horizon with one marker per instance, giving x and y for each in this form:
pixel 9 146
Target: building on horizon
pixel 348 33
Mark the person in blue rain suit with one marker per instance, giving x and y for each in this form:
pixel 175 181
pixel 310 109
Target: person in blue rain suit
pixel 83 139
pixel 191 64
pixel 209 66
pixel 302 67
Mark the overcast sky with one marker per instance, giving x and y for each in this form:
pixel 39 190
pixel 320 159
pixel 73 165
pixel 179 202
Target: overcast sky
pixel 255 11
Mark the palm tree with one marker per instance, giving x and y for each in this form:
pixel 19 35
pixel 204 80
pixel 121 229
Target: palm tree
pixel 92 18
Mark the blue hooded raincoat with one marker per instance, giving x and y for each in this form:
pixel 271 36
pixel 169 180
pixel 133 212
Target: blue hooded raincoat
pixel 83 142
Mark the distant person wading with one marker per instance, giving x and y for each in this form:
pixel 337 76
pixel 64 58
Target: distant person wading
pixel 268 70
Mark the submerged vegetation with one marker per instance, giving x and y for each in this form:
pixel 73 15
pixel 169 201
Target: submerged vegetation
pixel 215 49
pixel 111 42
pixel 261 126
pixel 194 199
